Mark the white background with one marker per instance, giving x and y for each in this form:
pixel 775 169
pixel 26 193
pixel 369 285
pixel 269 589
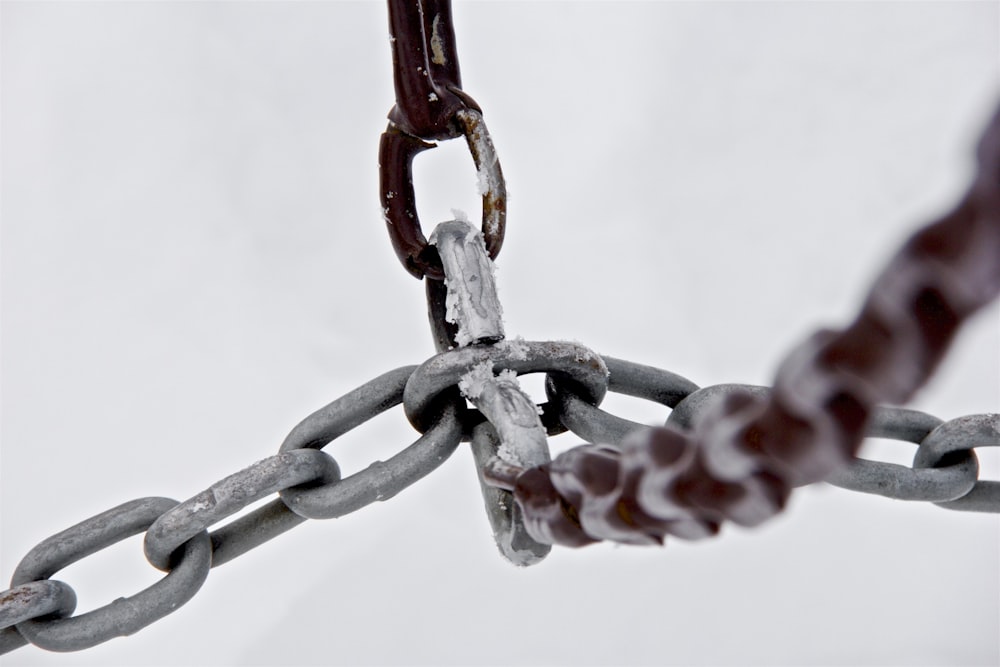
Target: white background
pixel 194 260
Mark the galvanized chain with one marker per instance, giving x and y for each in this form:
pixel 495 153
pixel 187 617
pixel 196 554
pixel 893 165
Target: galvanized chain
pixel 725 452
pixel 307 482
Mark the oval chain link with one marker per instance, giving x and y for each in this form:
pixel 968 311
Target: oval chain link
pixel 125 615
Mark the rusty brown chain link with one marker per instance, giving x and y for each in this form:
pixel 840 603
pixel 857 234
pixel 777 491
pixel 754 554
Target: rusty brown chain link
pixel 431 105
pixel 727 452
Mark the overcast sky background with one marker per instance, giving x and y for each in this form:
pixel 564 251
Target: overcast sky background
pixel 194 260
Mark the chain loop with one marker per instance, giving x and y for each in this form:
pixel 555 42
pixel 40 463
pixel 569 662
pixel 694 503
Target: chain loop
pixel 232 494
pixel 425 69
pixel 430 105
pixel 383 479
pixel 932 484
pixel 30 600
pixel 957 439
pixel 124 616
pixel 399 208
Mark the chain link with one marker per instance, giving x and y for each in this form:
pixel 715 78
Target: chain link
pixel 430 105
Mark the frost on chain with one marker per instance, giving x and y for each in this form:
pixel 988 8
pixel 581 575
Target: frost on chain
pixel 483 147
pixel 508 377
pixel 471 384
pixel 522 437
pixel 516 348
pixel 471 301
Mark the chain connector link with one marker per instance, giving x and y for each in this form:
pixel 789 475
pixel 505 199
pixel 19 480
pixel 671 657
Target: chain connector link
pixel 512 429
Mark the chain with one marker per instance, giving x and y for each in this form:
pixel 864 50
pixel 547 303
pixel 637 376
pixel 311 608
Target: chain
pixel 430 105
pixel 725 452
pixel 307 482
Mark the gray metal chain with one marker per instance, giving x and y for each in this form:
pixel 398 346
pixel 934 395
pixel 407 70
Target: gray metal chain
pixel 307 483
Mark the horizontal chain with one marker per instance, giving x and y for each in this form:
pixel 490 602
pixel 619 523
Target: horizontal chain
pixel 39 610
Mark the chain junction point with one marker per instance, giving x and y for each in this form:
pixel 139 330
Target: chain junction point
pixel 725 453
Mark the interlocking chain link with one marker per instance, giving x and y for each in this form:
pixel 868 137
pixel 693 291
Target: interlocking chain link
pixel 431 105
pixel 726 452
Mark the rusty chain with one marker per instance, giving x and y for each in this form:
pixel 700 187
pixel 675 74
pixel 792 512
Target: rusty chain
pixel 725 452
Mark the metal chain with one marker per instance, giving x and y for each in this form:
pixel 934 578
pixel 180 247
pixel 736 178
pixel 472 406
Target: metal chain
pixel 430 105
pixel 38 609
pixel 725 452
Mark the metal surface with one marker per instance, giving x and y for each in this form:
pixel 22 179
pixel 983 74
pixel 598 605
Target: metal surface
pixel 471 302
pixel 564 362
pixel 232 494
pixel 125 615
pixel 506 521
pixel 430 105
pixel 382 480
pixel 35 599
pixel 948 480
pixel 953 443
